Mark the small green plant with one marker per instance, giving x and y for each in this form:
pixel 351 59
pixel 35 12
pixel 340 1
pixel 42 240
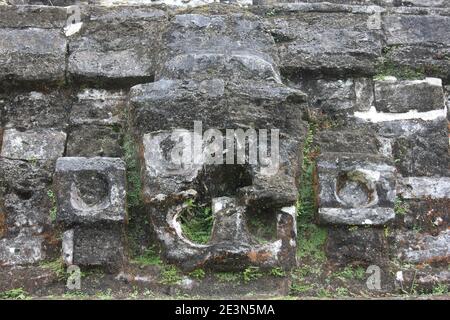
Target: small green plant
pixel 198 274
pixel 349 273
pixel 196 222
pixel 133 172
pixel 297 288
pixel 342 292
pixel 170 275
pixel 75 295
pixel 14 294
pixel 277 272
pixel 440 289
pixel 400 207
pixel 324 293
pixel 104 295
pixel 251 273
pixel 54 208
pixel 228 276
pixel 57 266
pixel 150 257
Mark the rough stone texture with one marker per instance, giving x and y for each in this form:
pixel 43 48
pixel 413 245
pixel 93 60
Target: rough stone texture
pixel 98 107
pixel 230 67
pixel 35 144
pixel 32 54
pixel 125 39
pixel 355 189
pixel 95 246
pixel 357 247
pixel 339 96
pixel 36 110
pixel 403 96
pixel 90 190
pixel 419 41
pixel 324 40
pixel 80 142
pixel 423 248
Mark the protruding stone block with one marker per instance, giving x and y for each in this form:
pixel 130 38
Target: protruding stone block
pixel 35 144
pixel 125 53
pixel 403 96
pixel 355 189
pixel 32 54
pixel 20 250
pixel 90 190
pixel 414 247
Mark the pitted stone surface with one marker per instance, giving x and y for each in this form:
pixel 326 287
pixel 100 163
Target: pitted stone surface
pixel 32 54
pixel 90 190
pixel 35 144
pixel 126 41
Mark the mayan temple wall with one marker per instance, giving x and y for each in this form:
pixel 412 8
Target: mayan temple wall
pixel 91 93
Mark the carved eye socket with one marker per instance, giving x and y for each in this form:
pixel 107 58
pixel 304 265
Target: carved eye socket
pixel 354 190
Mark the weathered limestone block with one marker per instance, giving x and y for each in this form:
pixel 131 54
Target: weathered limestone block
pixel 355 189
pixel 118 43
pixel 424 187
pixel 95 245
pixel 227 45
pixel 168 104
pixel 403 96
pixel 326 39
pixel 339 96
pixel 360 246
pixel 36 110
pixel 414 247
pixel 32 54
pixel 80 142
pixel 419 40
pixel 98 107
pixel 418 140
pixel 24 202
pixel 45 17
pixel 35 144
pixel 20 250
pixel 349 141
pixel 90 190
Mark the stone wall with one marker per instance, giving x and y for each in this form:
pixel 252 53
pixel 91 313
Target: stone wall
pixel 87 109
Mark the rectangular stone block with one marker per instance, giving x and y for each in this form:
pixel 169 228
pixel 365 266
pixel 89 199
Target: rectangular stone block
pixel 425 188
pixel 325 41
pixel 361 246
pixel 355 189
pixel 95 246
pixel 35 144
pixel 90 190
pixel 32 54
pixel 24 201
pixel 20 250
pixel 34 109
pixel 106 142
pixel 45 17
pixel 339 96
pixel 403 96
pixel 98 107
pixel 125 52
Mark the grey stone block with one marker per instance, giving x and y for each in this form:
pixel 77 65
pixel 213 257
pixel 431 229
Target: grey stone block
pixel 355 189
pixel 35 144
pixel 403 96
pixel 32 54
pixel 90 190
pixel 106 143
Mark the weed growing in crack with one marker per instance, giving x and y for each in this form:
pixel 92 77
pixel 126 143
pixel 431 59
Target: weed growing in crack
pixel 196 222
pixel 251 273
pixel 15 294
pixel 170 275
pixel 150 257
